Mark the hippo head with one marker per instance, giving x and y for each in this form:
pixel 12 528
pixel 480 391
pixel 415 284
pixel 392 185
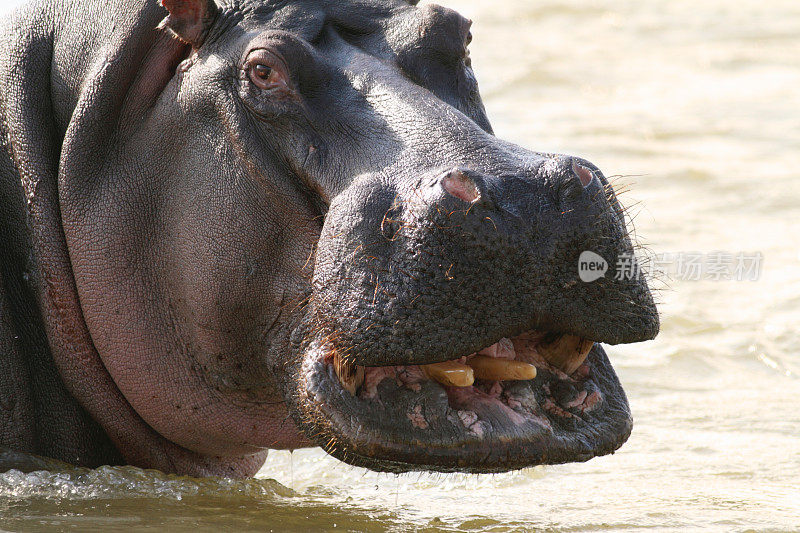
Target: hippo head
pixel 304 232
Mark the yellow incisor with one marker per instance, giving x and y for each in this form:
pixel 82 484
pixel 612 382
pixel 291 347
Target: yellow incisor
pixel 450 373
pixel 566 352
pixel 494 369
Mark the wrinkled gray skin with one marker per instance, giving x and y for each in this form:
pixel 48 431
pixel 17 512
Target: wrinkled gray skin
pixel 178 241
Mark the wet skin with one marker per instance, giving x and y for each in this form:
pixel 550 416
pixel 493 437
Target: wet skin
pixel 246 226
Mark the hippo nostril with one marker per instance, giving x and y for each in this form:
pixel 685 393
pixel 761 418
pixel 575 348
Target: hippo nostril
pixel 458 184
pixel 584 174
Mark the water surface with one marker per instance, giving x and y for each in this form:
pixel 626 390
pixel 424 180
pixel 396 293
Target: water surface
pixel 696 107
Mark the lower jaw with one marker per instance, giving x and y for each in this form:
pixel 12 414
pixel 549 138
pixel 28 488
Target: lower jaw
pixel 398 421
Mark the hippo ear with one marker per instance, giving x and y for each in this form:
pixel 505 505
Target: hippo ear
pixel 190 20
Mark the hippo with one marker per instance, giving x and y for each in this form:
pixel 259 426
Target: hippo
pixel 230 226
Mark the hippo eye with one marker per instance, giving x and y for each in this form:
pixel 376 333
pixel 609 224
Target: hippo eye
pixel 262 72
pixel 266 70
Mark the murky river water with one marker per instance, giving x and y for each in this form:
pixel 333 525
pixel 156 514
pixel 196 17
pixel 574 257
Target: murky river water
pixel 696 105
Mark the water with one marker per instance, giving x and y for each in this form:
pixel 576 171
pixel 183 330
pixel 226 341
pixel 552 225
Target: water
pixel 696 105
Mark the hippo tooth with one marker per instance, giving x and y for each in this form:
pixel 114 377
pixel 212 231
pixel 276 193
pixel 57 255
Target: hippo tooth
pixel 350 376
pixel 566 353
pixel 450 373
pixel 495 369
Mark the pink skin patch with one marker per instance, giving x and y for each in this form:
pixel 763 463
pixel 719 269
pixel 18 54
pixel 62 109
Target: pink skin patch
pixel 373 375
pixel 583 173
pixel 552 408
pixel 469 419
pixel 577 400
pixel 410 377
pixel 495 390
pixel 591 402
pixel 583 402
pixel 502 349
pixel 462 187
pixel 461 397
pixel 582 372
pixel 416 417
pixel 513 402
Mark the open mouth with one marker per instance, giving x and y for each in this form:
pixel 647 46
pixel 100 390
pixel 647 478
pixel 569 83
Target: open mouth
pixel 535 398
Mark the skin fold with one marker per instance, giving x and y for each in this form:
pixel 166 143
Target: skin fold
pixel 197 196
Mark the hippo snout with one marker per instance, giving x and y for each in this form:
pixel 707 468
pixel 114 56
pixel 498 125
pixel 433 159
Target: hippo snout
pixel 424 276
pixel 414 273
